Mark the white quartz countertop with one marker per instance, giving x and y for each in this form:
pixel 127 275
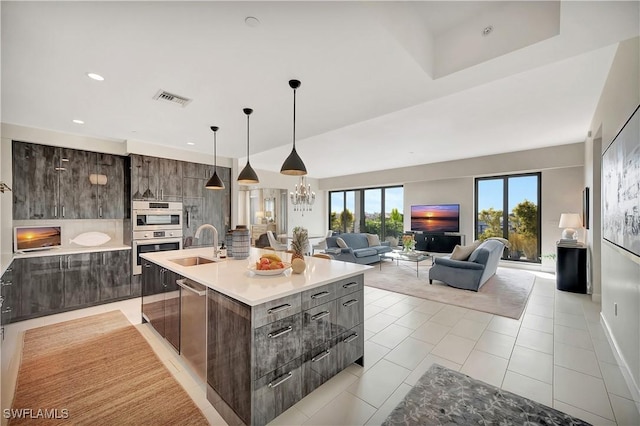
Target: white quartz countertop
pixel 7 258
pixel 233 278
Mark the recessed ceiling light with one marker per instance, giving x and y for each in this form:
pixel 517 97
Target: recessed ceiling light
pixel 78 121
pixel 251 21
pixel 487 30
pixel 95 76
pixel 190 143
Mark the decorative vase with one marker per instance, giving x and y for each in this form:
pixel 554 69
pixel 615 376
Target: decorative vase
pixel 228 240
pixel 241 243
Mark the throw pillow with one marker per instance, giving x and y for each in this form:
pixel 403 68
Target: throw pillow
pixel 340 242
pixel 462 252
pixel 373 239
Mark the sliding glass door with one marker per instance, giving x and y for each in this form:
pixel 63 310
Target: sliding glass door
pixel 509 207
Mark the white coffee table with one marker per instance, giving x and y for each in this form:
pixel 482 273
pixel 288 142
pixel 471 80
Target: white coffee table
pixel 398 255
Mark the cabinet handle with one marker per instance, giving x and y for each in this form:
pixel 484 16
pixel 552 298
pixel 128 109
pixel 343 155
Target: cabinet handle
pixel 104 259
pixel 187 218
pixel 5 283
pixel 349 285
pixel 350 303
pixel 55 211
pixel 320 295
pixel 146 265
pixel 320 357
pixel 280 380
pixel 320 315
pixel 351 338
pixel 68 261
pixel 100 211
pixel 279 308
pixel 60 263
pixel 280 332
pixel 62 211
pixel 7 310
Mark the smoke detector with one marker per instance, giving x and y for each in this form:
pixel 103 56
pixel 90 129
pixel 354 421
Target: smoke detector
pixel 165 96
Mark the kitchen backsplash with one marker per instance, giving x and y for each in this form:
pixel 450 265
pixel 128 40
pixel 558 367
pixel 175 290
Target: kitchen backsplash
pixel 71 228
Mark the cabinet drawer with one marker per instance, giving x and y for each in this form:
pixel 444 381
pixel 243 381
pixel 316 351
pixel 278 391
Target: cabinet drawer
pixel 350 311
pixel 350 347
pixel 318 296
pixel 318 325
pixel 349 285
pixel 276 344
pixel 275 392
pixel 319 365
pixel 276 310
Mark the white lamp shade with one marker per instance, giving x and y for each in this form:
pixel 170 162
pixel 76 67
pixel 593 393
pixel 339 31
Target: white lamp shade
pixel 570 220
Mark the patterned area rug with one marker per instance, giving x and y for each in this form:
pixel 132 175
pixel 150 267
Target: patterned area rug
pixel 97 370
pixel 446 397
pixel 504 294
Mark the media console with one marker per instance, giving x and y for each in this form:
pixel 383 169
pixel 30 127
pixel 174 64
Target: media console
pixel 437 243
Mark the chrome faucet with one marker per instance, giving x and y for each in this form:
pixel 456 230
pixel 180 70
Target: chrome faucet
pixel 215 236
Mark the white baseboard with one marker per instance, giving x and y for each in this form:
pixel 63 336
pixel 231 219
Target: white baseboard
pixel 624 366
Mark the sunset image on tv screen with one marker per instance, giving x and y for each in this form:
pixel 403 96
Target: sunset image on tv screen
pixel 435 218
pixel 34 238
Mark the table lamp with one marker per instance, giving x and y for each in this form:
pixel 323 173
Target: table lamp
pixel 570 221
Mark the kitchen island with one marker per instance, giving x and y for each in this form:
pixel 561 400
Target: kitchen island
pixel 270 340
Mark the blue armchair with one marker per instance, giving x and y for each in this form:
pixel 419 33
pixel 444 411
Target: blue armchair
pixel 468 274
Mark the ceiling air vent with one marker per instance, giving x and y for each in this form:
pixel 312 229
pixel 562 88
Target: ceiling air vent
pixel 170 97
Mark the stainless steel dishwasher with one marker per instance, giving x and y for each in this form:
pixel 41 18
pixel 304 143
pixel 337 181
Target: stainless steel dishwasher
pixel 193 325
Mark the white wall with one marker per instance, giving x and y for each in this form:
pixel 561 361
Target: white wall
pixel 619 271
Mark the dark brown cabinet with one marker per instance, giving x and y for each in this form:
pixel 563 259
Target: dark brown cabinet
pixel 41 282
pixel 161 301
pixel 80 280
pixel 10 293
pixel 46 285
pixel 154 178
pixel 114 274
pixel 263 359
pixel 55 183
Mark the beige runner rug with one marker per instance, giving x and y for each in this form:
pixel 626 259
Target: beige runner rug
pixel 505 294
pixel 97 370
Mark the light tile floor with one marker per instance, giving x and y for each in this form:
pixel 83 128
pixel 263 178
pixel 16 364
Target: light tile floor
pixel 556 354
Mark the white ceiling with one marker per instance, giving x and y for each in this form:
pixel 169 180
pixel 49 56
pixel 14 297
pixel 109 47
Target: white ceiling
pixel 384 84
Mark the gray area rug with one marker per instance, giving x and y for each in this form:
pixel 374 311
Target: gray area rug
pixel 446 397
pixel 505 294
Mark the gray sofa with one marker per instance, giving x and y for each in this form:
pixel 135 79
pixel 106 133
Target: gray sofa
pixel 468 274
pixel 358 250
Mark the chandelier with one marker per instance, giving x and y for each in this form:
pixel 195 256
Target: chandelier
pixel 303 198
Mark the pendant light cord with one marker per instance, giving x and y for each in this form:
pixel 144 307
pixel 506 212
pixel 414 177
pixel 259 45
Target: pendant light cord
pixel 294 118
pixel 215 160
pixel 247 138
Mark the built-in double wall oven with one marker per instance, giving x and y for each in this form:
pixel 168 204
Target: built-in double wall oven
pixel 157 226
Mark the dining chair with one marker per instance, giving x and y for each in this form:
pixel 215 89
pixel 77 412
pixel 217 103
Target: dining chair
pixel 322 244
pixel 274 243
pixel 268 248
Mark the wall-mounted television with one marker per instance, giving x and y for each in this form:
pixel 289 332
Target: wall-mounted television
pixel 435 218
pixel 28 238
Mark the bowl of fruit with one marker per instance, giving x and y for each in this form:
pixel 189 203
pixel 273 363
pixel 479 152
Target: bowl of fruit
pixel 269 264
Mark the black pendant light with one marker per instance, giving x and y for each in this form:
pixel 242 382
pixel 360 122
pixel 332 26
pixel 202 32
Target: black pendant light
pixel 293 165
pixel 215 182
pixel 248 176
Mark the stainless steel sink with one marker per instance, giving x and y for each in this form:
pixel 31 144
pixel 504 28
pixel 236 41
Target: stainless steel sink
pixel 192 261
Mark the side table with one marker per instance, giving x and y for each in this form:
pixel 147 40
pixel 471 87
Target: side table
pixel 571 269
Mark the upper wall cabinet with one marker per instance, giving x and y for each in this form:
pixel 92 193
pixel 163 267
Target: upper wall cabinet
pixel 63 183
pixel 155 178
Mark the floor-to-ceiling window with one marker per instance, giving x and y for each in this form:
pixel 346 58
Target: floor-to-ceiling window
pixel 373 210
pixel 509 207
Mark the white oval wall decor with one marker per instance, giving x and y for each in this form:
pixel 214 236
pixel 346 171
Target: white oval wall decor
pixel 91 239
